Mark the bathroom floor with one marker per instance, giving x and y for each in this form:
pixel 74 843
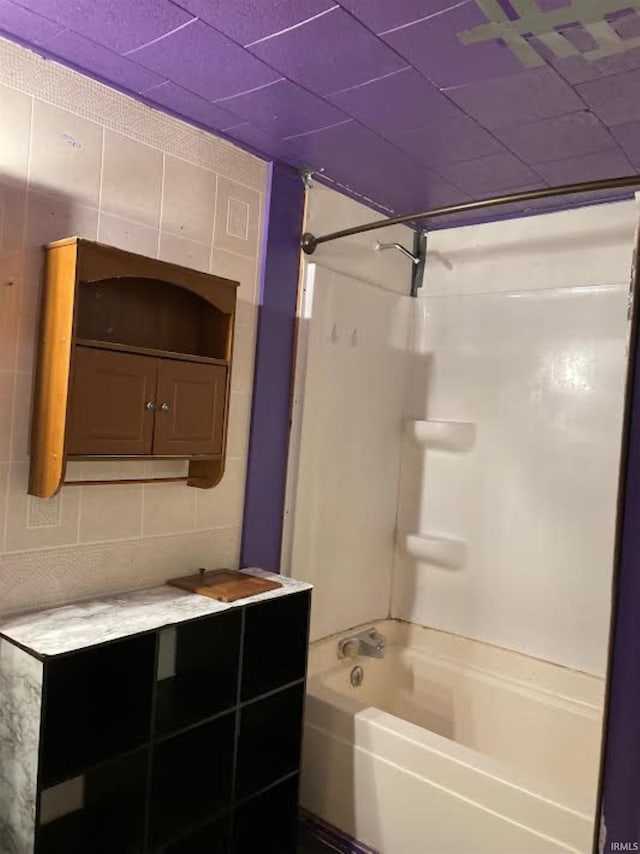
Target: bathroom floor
pixel 308 844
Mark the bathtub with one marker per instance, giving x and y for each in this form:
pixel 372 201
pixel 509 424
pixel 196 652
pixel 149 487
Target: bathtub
pixel 450 746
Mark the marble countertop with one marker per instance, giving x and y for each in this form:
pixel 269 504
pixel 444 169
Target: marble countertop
pixel 75 626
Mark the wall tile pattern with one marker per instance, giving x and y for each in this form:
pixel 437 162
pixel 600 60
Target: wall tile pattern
pixel 104 167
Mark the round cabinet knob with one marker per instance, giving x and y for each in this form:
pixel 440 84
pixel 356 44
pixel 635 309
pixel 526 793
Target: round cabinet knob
pixel 165 407
pixel 150 406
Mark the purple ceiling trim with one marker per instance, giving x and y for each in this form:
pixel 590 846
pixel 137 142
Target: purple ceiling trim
pixel 269 439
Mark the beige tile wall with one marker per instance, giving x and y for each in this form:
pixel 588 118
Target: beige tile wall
pixel 77 158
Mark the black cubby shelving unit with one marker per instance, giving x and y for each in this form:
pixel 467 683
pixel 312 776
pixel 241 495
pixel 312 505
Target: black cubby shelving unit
pixel 181 740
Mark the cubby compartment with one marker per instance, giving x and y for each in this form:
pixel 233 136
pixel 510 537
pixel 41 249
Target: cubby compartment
pixel 213 838
pixel 97 705
pixel 159 316
pixel 268 823
pixel 197 671
pixel 275 644
pixel 100 812
pixel 140 743
pixel 192 779
pixel 269 740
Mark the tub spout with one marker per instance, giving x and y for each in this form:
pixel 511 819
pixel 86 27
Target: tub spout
pixel 369 643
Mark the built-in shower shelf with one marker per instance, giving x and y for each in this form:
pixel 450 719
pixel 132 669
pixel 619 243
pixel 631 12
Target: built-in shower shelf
pixel 447 435
pixel 440 551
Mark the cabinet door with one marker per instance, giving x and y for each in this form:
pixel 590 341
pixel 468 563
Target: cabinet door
pixel 112 400
pixel 191 401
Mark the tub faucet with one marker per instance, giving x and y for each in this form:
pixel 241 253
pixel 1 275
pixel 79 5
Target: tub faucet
pixel 369 642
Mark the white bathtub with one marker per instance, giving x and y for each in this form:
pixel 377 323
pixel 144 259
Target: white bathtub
pixel 451 746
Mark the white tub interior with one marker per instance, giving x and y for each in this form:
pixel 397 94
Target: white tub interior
pixel 540 721
pixel 507 745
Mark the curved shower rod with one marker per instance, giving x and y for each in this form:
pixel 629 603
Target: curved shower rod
pixel 310 242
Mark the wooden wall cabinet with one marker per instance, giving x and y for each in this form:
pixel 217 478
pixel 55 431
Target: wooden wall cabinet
pixel 134 361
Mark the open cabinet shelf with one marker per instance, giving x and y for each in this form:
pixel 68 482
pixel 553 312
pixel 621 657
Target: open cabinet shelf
pixel 134 361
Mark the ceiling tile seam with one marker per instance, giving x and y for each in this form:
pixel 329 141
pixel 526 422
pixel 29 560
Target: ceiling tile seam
pixel 436 169
pixel 403 154
pixel 323 178
pixel 33 45
pixel 425 18
pixel 347 121
pixel 63 28
pixel 147 94
pixel 238 94
pixel 249 91
pixel 490 131
pixel 400 56
pixel 48 54
pixel 441 91
pixel 235 127
pixel 615 145
pixel 292 27
pixel 368 82
pixel 161 37
pixel 613 142
pixel 565 159
pixel 446 89
pixel 47 51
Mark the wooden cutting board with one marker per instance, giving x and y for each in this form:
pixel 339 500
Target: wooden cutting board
pixel 225 585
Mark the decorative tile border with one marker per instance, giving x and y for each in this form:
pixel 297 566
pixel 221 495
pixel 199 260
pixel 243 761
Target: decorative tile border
pixel 73 91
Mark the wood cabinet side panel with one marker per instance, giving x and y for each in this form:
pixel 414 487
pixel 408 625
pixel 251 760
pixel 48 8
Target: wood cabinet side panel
pixel 51 389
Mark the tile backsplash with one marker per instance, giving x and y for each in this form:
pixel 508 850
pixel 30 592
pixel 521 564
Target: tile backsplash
pixel 77 158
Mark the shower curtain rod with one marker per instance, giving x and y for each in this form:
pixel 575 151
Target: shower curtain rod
pixel 310 242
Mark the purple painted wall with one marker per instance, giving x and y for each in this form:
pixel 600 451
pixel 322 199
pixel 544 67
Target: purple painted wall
pixel 621 793
pixel 269 441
